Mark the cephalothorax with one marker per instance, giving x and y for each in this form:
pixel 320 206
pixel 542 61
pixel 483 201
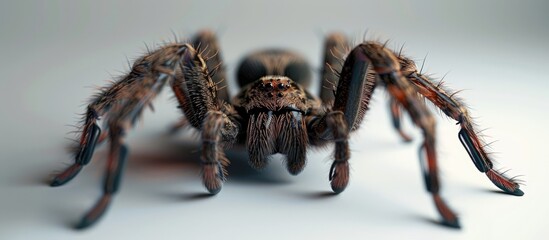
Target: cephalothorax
pixel 274 113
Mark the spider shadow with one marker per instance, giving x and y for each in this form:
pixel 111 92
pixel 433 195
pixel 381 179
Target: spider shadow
pixel 168 151
pixel 497 191
pixel 163 158
pixel 321 195
pixel 240 172
pixel 436 223
pixel 172 155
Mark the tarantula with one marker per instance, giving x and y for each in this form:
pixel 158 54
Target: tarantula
pixel 274 113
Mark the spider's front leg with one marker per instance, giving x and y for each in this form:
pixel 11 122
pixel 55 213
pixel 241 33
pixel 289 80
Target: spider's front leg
pixel 122 104
pixel 357 81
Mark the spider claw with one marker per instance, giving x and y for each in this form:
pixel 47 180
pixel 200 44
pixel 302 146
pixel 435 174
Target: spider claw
pixel 332 173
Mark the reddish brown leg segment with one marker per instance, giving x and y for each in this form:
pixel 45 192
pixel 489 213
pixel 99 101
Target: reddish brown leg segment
pixel 396 116
pixel 115 165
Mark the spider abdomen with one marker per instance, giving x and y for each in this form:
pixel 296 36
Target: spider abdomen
pixel 273 62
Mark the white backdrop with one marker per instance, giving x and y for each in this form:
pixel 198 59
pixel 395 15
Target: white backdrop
pixel 55 52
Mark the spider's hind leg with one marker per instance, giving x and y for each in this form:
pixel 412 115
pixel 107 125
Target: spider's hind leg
pixel 468 136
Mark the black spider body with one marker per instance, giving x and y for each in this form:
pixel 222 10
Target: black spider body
pixel 274 113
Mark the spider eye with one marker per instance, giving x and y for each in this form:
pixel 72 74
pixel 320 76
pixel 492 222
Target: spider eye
pixel 299 71
pixel 250 70
pixel 268 86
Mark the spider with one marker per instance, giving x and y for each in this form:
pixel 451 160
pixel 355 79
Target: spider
pixel 274 113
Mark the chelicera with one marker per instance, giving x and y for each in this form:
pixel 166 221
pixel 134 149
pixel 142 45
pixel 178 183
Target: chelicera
pixel 274 113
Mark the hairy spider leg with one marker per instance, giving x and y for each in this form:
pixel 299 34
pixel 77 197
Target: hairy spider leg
pixel 352 100
pixel 115 165
pixel 122 104
pixel 213 159
pixel 468 136
pixel 336 46
pixel 373 56
pixel 133 93
pixel 196 93
pixel 207 45
pixel 101 105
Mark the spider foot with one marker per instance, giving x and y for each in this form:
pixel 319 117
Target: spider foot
pixel 213 177
pixel 503 183
pixel 455 224
pixel 449 218
pixel 339 176
pixel 405 137
pixel 95 213
pixel 66 175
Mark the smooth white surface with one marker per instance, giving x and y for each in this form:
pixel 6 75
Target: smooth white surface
pixel 53 51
